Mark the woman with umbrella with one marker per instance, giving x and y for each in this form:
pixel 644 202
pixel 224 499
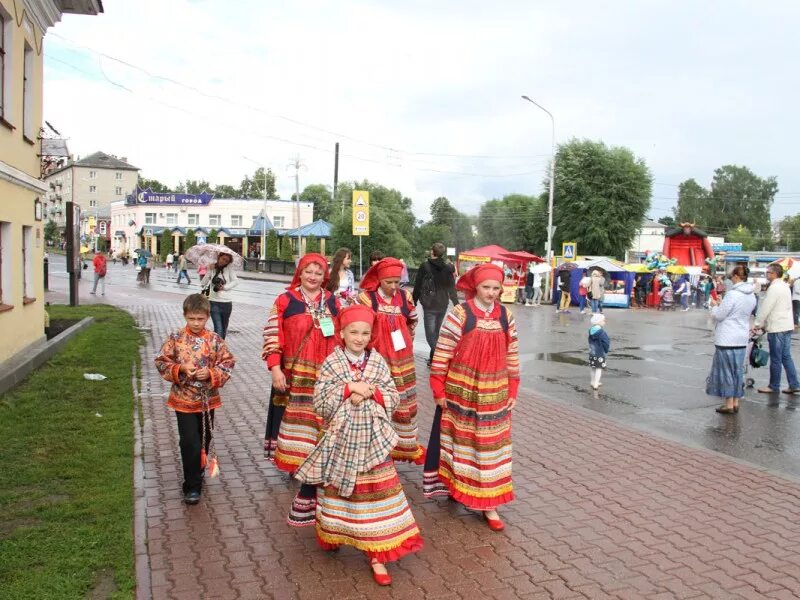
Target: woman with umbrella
pixel 218 281
pixel 301 332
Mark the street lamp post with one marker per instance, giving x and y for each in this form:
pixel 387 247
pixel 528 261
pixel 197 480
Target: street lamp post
pixel 264 215
pixel 549 247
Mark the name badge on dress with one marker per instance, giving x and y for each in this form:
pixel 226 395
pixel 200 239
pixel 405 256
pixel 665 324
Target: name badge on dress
pixel 326 326
pixel 397 340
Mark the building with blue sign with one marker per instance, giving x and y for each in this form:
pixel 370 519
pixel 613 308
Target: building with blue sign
pixel 140 220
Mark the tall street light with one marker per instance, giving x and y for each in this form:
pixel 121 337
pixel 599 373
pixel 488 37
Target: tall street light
pixel 549 248
pixel 264 216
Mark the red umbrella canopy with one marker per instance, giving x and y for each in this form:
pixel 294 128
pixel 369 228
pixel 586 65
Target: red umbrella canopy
pixel 522 256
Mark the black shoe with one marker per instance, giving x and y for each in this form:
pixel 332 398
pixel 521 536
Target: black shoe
pixel 191 497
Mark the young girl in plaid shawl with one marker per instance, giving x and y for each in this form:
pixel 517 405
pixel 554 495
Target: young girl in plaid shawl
pixel 361 502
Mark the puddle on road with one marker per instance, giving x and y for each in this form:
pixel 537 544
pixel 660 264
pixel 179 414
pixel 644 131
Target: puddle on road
pixel 559 357
pixel 659 411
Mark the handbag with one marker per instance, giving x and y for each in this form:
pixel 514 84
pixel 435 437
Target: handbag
pixel 758 356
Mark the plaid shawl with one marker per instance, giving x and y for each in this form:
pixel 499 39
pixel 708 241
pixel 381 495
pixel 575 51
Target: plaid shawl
pixel 357 437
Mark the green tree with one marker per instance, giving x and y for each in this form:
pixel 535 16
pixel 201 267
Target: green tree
pixel 166 245
pixel 190 239
pixel 286 249
pixel 516 222
pixel 392 223
pixel 312 244
pixel 51 231
pixel 152 184
pixel 225 191
pixel 693 204
pixel 741 234
pixel 428 234
pixel 272 244
pixel 460 225
pixel 195 186
pixel 602 197
pixel 212 237
pixel 668 221
pixel 322 198
pixel 253 187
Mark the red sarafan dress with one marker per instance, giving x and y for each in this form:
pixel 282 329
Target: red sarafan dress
pixel 398 314
pixel 293 340
pixel 476 368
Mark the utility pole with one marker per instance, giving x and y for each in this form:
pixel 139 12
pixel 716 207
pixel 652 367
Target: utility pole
pixel 336 175
pixel 297 164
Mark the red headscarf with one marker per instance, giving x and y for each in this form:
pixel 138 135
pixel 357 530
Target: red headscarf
pixel 356 313
pixel 308 259
pixel 383 269
pixel 469 281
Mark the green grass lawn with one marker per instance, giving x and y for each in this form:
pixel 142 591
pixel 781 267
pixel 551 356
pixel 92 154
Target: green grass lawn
pixel 66 487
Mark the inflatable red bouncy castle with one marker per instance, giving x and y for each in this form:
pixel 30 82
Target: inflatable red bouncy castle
pixel 688 245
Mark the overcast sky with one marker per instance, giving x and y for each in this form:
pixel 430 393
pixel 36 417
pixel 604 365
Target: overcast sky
pixel 425 96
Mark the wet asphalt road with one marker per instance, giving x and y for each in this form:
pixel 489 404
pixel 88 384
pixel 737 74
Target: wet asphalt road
pixel 655 380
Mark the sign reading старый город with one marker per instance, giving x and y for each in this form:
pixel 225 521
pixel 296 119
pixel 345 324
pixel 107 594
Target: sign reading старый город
pixel 147 197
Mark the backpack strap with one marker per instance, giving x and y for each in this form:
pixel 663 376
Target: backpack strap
pixel 471 321
pixel 404 308
pixel 373 298
pixel 331 302
pixel 504 318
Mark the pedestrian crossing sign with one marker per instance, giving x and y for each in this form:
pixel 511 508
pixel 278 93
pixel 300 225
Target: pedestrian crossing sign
pixel 569 250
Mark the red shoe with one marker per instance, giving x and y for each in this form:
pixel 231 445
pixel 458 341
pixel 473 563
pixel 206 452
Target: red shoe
pixel 421 459
pixel 380 578
pixel 495 524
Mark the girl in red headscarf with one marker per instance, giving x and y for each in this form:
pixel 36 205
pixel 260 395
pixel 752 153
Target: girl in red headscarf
pixel 474 378
pixel 393 338
pixel 361 501
pixel 302 330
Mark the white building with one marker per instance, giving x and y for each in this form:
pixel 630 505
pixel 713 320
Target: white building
pixel 139 221
pixel 649 238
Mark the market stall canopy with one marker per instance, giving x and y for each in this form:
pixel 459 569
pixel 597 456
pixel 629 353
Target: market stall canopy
pixel 522 256
pixel 607 265
pixel 636 268
pixel 484 253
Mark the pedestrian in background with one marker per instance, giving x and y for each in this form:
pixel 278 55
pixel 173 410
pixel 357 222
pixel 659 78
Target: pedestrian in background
pixel 217 285
pixel 598 290
pixel 169 260
pixel 342 282
pixel 776 317
pixel 175 256
pixel 731 317
pixel 563 286
pixel 182 271
pixel 583 290
pixel 434 289
pixel 100 265
pixel 393 336
pixel 599 345
pixel 796 301
pixel 197 363
pixel 474 379
pixel 148 266
pixel 683 291
pixel 375 256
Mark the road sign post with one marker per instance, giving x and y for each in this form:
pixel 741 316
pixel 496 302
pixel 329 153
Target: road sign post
pixel 569 250
pixel 360 222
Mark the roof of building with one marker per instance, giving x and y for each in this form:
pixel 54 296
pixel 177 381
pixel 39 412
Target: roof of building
pixel 100 160
pixel 319 228
pixel 651 223
pixel 260 225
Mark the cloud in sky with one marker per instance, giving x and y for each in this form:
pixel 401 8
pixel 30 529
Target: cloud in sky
pixel 687 86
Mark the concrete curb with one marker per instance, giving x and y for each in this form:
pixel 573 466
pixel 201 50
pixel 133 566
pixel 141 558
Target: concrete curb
pixel 33 357
pixel 142 567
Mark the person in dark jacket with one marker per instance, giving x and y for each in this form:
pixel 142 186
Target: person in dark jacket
pixel 599 345
pixel 434 287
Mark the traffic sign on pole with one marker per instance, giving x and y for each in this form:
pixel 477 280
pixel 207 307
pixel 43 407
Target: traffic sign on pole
pixel 360 212
pixel 569 250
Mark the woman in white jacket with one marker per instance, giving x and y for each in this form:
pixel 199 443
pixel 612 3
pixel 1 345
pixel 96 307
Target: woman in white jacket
pixel 216 283
pixel 732 330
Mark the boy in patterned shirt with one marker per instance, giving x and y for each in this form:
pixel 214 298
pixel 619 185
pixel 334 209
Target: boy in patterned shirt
pixel 197 362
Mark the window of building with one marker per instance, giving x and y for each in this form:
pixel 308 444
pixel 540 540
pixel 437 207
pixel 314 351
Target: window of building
pixel 236 220
pixel 93 189
pixel 279 222
pixel 149 218
pixel 119 191
pixel 172 218
pixel 103 227
pixel 27 261
pixel 215 220
pixel 118 175
pixel 194 219
pixel 92 174
pixel 27 94
pixel 5 263
pixel 5 42
pixel 92 203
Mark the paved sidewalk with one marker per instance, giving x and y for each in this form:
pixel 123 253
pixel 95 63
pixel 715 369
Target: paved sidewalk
pixel 602 511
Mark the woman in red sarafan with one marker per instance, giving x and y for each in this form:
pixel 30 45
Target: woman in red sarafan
pixel 302 330
pixel 393 338
pixel 474 378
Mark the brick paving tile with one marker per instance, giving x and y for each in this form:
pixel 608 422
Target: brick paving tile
pixel 602 511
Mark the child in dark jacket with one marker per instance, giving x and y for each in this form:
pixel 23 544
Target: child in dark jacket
pixel 599 345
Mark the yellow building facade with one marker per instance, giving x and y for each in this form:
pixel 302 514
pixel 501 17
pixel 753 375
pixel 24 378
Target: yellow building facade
pixel 23 24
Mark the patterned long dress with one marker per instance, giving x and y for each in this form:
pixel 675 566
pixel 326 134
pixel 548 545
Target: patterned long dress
pixel 392 315
pixel 293 341
pixel 375 517
pixel 476 368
